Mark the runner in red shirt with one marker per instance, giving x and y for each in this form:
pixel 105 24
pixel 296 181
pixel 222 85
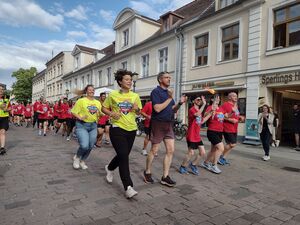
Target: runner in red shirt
pixel 28 113
pixel 70 120
pixel 193 137
pixel 35 113
pixel 103 125
pixel 146 112
pixel 232 117
pixel 214 135
pixel 51 117
pixel 19 111
pixel 43 111
pixel 61 110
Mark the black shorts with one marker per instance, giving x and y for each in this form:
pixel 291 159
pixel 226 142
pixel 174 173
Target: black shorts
pixel 214 137
pixel 61 120
pixel 147 130
pixel 18 115
pixel 230 138
pixel 55 117
pixel 51 122
pixel 4 123
pixel 194 145
pixel 27 117
pixel 43 120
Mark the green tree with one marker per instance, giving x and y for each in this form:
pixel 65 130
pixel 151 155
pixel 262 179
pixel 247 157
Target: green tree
pixel 22 88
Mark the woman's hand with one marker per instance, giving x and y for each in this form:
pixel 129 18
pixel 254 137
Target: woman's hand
pixel 115 115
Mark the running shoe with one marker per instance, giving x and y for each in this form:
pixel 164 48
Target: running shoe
pixel 40 133
pixel 130 192
pixel 221 161
pixel 266 158
pixel 194 169
pixel 106 142
pixel 109 174
pixel 215 169
pixel 68 138
pixel 206 165
pixel 167 181
pixel 183 170
pixel 148 178
pixel 2 151
pixel 76 162
pixel 83 165
pixel 144 152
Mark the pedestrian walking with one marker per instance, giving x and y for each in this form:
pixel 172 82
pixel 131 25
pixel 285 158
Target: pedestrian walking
pixel 86 110
pixel 162 122
pixel 275 141
pixel 4 119
pixel 193 137
pixel 122 106
pixel 146 113
pixel 265 128
pixel 296 125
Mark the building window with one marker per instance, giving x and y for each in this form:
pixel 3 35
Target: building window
pixel 82 82
pixel 100 78
pixel 70 85
pixel 88 79
pixel 163 60
pixel 201 50
pixel 230 42
pixel 225 3
pixel 75 83
pixel 125 37
pixel 76 61
pixel 145 65
pixel 109 81
pixel 124 65
pixel 287 26
pixel 61 69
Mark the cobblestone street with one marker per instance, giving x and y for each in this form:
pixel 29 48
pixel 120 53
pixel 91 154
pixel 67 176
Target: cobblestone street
pixel 39 186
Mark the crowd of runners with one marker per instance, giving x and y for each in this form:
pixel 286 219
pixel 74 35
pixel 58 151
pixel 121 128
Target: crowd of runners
pixel 111 119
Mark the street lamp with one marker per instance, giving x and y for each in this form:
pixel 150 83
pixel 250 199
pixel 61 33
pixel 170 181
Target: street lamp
pixel 67 93
pixel 135 77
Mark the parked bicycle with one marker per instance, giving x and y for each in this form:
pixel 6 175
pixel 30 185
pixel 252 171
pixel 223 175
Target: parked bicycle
pixel 180 129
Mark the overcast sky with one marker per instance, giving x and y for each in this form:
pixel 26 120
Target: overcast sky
pixel 31 30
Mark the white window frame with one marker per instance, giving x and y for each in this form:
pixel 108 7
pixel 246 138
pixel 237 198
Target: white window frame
pixel 124 65
pixel 145 66
pixel 220 46
pixel 82 82
pixel 75 83
pixel 100 78
pixel 165 63
pixel 125 37
pixel 227 3
pixel 76 62
pixel 109 76
pixel 193 61
pixel 270 36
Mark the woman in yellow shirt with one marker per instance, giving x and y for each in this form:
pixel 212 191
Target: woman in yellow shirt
pixel 87 111
pixel 4 117
pixel 122 106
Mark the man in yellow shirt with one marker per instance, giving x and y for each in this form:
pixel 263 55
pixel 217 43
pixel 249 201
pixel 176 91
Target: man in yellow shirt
pixel 4 119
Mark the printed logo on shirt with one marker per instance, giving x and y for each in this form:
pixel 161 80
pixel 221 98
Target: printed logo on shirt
pixel 45 109
pixel 28 109
pixel 220 117
pixel 125 107
pixel 92 109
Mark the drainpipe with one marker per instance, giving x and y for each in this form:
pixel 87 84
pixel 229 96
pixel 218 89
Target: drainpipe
pixel 178 65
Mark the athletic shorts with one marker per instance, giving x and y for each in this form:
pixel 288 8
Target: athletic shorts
pixel 51 122
pixel 230 138
pixel 55 117
pixel 61 120
pixel 4 123
pixel 147 130
pixel 161 130
pixel 214 137
pixel 43 120
pixel 194 145
pixel 27 117
pixel 18 115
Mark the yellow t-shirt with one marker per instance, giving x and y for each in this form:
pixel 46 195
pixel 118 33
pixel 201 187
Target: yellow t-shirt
pixel 2 112
pixel 86 107
pixel 123 103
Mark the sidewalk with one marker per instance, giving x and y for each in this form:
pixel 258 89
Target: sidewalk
pixel 39 186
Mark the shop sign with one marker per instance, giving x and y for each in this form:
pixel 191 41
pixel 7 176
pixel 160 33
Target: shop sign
pixel 278 78
pixel 213 84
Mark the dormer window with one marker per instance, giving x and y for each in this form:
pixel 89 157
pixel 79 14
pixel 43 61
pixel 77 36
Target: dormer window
pixel 77 62
pixel 125 37
pixel 225 3
pixel 169 20
pixel 124 65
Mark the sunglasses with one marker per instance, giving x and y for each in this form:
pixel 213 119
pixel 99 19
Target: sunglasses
pixel 198 99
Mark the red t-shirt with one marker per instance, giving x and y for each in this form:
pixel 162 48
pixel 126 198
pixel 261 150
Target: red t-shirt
pixel 28 111
pixel 193 132
pixel 43 111
pixel 64 111
pixel 68 114
pixel 19 110
pixel 51 113
pixel 14 109
pixel 36 106
pixel 228 108
pixel 103 119
pixel 215 123
pixel 148 110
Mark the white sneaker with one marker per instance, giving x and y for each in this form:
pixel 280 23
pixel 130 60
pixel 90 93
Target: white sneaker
pixel 144 152
pixel 40 132
pixel 266 157
pixel 83 165
pixel 76 162
pixel 273 145
pixel 109 175
pixel 130 192
pixel 215 169
pixel 68 138
pixel 277 143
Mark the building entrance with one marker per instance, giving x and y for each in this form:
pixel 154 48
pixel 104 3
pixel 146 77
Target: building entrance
pixel 283 102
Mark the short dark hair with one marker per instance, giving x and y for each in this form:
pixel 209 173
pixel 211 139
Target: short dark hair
pixel 121 73
pixel 102 93
pixel 160 75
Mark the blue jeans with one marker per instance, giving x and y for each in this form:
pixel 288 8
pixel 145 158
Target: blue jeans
pixel 87 137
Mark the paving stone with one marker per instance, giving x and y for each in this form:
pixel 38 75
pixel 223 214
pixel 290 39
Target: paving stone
pixel 239 221
pixel 271 221
pixel 53 182
pixel 219 219
pixel 282 216
pixel 17 204
pixel 253 217
pixel 297 218
pixel 285 203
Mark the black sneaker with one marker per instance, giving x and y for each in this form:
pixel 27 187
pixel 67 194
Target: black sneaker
pixel 167 181
pixel 2 151
pixel 148 178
